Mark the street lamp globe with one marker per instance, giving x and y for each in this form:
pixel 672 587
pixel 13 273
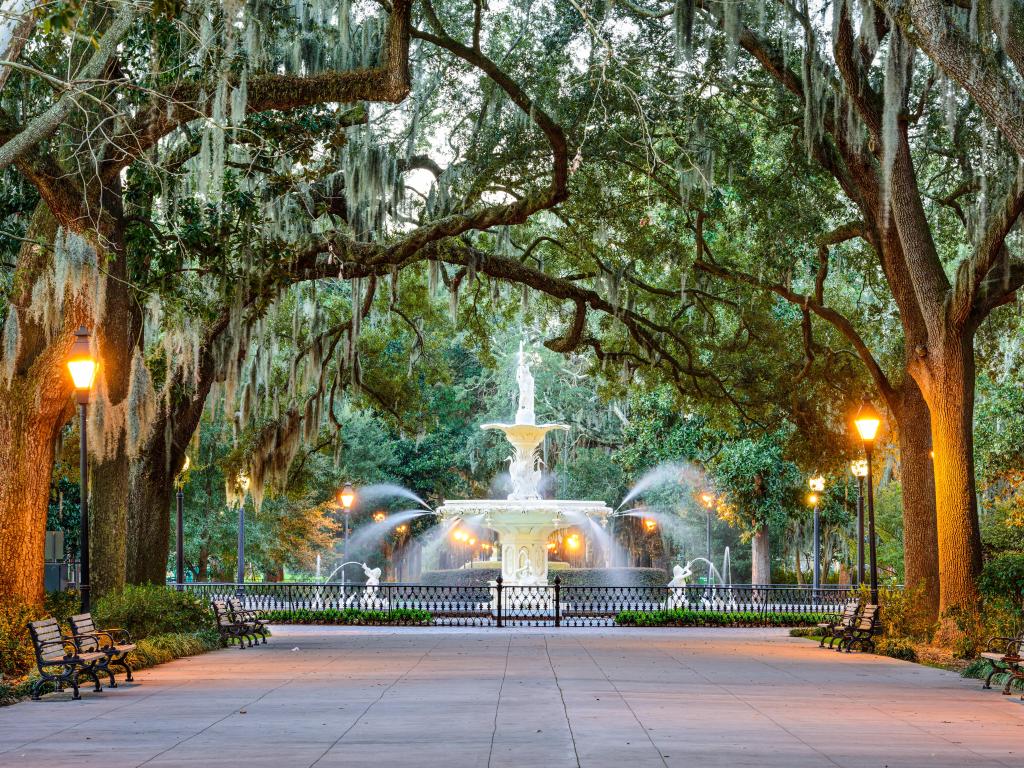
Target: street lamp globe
pixel 81 361
pixel 347 497
pixel 867 422
pixel 817 484
pixel 859 467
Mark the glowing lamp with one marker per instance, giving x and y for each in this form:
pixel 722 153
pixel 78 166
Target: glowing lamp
pixel 859 468
pixel 707 499
pixel 817 483
pixel 573 542
pixel 346 497
pixel 867 422
pixel 379 516
pixel 81 361
pixel 812 499
pixel 244 482
pixel 649 524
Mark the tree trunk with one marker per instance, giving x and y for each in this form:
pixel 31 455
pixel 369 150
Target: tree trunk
pixel 34 406
pixel 920 540
pixel 118 332
pixel 760 570
pixel 150 490
pixel 950 396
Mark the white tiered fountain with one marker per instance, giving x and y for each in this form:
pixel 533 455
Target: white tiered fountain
pixel 524 521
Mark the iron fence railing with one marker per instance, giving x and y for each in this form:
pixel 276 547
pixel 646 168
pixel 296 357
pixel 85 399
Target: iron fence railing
pixel 548 605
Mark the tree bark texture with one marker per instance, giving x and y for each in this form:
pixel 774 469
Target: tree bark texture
pixel 761 563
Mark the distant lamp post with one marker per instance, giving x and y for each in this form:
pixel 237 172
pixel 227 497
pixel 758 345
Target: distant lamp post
pixel 817 485
pixel 859 468
pixel 243 482
pixel 179 545
pixel 346 497
pixel 650 524
pixel 708 500
pixel 82 367
pixel 380 516
pixel 867 422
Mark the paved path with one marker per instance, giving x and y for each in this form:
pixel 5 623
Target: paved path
pixel 521 698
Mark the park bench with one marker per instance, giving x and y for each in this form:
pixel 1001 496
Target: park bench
pixel 839 625
pixel 231 627
pixel 1007 660
pixel 251 619
pixel 61 659
pixel 115 642
pixel 862 633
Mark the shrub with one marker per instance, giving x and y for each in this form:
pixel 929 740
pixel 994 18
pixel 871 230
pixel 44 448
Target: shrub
pixel 16 654
pixel 62 605
pixel 1002 579
pixel 349 616
pixel 897 648
pixel 461 577
pixel 681 617
pixel 149 610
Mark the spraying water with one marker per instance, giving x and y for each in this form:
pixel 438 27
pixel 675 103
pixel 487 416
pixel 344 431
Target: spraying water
pixel 374 533
pixel 390 491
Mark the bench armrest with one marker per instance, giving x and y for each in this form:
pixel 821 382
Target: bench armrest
pixel 123 635
pixel 1009 646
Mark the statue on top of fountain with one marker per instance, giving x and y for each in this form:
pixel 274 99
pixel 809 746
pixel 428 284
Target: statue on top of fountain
pixel 525 414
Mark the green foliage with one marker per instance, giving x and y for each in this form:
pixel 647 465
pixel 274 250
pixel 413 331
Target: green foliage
pixel 62 605
pixel 461 577
pixel 761 486
pixel 150 610
pixel 611 577
pixel 1002 578
pixel 681 617
pixel 901 613
pixel 350 616
pixel 16 654
pixel 978 669
pixel 897 648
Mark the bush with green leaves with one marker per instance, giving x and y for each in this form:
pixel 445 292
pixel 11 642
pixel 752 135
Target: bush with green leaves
pixel 1002 580
pixel 349 616
pixel 148 610
pixel 897 648
pixel 682 617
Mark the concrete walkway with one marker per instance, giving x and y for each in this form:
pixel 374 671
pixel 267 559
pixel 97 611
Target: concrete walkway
pixel 489 697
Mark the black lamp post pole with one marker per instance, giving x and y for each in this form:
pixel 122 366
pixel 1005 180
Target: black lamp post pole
pixel 179 552
pixel 241 549
pixel 871 530
pixel 709 533
pixel 816 577
pixel 860 530
pixel 83 459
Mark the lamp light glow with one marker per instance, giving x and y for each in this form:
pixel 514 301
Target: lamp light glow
pixel 859 468
pixel 812 499
pixel 81 361
pixel 867 422
pixel 347 497
pixel 817 483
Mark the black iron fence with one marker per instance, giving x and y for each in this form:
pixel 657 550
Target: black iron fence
pixel 548 605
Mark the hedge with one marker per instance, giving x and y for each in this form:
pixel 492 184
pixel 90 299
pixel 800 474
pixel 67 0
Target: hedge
pixel 681 617
pixel 349 616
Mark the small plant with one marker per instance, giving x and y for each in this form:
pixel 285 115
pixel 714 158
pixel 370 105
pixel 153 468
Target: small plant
pixel 16 654
pixel 897 648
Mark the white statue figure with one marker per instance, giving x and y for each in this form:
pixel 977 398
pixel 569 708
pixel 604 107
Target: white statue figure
pixel 372 582
pixel 677 598
pixel 525 477
pixel 525 414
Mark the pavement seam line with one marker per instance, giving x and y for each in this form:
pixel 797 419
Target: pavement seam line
pixel 561 694
pixel 629 706
pixel 370 706
pixel 497 706
pixel 49 736
pixel 748 704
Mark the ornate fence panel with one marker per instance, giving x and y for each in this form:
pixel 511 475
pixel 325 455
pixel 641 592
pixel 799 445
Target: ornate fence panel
pixel 545 605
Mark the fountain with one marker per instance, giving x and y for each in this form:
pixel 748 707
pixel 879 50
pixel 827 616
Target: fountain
pixel 524 520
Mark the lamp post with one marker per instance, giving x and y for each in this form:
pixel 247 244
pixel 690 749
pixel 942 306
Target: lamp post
pixel 817 485
pixel 346 497
pixel 82 367
pixel 859 468
pixel 243 482
pixel 708 500
pixel 179 546
pixel 867 422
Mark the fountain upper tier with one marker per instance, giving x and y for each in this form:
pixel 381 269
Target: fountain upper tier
pixel 524 520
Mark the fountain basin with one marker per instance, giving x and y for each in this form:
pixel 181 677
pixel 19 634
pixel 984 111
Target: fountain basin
pixel 523 527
